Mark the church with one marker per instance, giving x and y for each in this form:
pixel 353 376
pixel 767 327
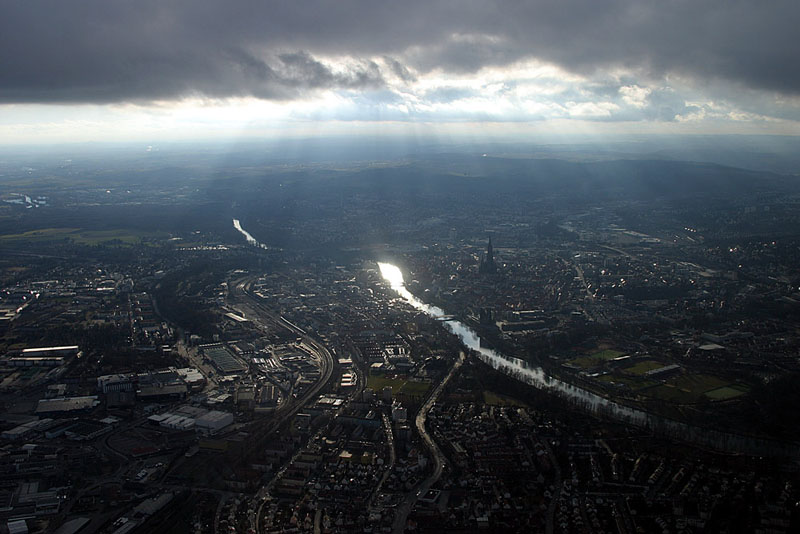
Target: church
pixel 488 265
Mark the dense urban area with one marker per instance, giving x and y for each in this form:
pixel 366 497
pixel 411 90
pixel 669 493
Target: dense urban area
pixel 459 343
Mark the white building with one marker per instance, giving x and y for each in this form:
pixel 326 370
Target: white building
pixel 193 378
pixel 177 422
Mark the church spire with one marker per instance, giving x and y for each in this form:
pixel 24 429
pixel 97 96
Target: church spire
pixel 487 265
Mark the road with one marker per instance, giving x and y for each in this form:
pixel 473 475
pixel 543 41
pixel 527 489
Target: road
pixel 436 453
pixel 551 509
pixel 579 272
pixel 387 427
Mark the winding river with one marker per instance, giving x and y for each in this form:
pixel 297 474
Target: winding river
pixel 578 396
pixel 250 239
pixel 588 400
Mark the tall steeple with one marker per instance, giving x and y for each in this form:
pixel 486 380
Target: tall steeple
pixel 487 264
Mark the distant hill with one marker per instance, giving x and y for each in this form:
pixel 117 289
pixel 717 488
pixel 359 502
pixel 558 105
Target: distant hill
pixel 620 179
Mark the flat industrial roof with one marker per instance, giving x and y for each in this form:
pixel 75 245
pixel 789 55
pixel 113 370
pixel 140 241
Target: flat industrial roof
pixel 212 416
pixel 66 404
pixel 223 359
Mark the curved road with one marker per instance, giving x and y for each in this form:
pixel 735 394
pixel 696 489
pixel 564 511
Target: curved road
pixel 439 460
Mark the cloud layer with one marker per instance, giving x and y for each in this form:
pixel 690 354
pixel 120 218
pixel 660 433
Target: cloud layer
pixel 624 60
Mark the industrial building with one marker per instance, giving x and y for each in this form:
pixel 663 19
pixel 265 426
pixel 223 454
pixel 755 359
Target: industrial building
pixel 119 382
pixel 172 421
pixel 187 417
pixel 193 378
pixel 161 392
pixel 65 405
pixel 225 362
pixel 213 422
pixel 26 429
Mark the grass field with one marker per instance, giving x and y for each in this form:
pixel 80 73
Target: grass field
pixel 698 383
pixel 415 389
pixel 377 383
pixel 687 389
pixel 96 237
pixel 77 235
pixel 608 354
pixel 44 234
pixel 398 385
pixel 640 368
pixel 596 359
pixel 726 392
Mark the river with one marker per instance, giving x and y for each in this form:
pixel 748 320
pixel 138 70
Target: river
pixel 588 400
pixel 250 239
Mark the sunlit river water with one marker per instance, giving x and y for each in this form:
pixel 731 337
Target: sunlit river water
pixel 250 239
pixel 588 400
pixel 585 399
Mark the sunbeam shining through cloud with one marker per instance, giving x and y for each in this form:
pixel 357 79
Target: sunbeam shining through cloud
pixel 183 70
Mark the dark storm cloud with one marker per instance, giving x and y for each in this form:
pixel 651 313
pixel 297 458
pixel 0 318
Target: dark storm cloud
pixel 105 51
pixel 300 69
pixel 399 70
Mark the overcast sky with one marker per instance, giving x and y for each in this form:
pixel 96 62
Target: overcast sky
pixel 110 69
